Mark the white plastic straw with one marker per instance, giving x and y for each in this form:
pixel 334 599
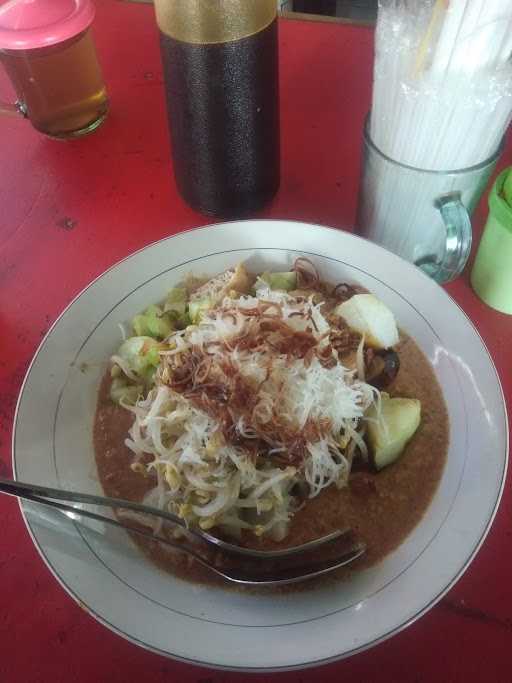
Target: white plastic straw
pixel 442 97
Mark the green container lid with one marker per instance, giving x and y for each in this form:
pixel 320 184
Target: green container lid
pixel 491 276
pixel 499 207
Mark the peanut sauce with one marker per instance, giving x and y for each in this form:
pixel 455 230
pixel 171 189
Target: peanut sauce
pixel 381 507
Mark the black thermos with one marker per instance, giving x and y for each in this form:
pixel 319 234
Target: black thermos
pixel 220 60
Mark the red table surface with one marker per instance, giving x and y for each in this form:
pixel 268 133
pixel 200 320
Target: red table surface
pixel 70 210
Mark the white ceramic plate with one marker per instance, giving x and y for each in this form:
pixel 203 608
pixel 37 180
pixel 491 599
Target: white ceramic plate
pixel 105 572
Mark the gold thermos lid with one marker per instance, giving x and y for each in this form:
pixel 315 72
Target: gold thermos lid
pixel 213 21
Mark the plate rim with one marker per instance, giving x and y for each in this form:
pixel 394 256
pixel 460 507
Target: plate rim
pixel 312 663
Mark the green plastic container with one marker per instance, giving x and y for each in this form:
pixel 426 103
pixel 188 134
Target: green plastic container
pixel 491 276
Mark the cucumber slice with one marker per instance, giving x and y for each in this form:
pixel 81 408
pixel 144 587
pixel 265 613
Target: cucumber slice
pixel 283 281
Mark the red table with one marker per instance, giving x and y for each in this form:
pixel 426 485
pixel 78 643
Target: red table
pixel 70 210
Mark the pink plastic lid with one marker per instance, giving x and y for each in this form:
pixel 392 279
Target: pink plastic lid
pixel 26 24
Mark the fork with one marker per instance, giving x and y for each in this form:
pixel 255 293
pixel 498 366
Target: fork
pixel 256 573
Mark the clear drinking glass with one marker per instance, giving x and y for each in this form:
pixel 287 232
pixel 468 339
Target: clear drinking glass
pixel 47 50
pixel 423 216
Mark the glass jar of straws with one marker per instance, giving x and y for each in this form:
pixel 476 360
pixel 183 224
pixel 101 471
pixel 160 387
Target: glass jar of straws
pixel 442 99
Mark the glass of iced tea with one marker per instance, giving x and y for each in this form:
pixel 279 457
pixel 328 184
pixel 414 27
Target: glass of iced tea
pixel 47 49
